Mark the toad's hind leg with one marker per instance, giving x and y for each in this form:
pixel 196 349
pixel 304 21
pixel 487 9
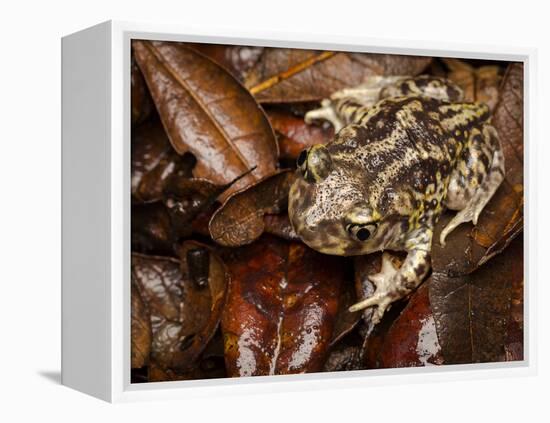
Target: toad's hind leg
pixel 346 105
pixel 349 105
pixel 478 174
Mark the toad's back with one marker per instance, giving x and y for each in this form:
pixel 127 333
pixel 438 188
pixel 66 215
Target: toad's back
pixel 405 143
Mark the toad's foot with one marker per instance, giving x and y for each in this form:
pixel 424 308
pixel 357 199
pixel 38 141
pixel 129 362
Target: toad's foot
pixel 469 214
pixel 325 112
pixel 387 290
pixel 342 107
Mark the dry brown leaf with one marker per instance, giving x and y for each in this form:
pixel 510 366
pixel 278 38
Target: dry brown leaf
pixel 184 315
pixel 141 330
pixel 240 220
pixel 479 84
pixel 207 112
pixel 472 311
pixel 293 75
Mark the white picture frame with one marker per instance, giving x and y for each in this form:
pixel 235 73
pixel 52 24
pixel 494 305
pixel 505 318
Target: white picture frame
pixel 96 214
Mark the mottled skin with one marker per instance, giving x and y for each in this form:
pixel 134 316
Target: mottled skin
pixel 407 149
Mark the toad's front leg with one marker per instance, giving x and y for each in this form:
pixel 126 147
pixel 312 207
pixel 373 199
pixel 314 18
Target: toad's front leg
pixel 393 284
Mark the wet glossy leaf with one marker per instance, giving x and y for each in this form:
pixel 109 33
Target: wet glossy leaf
pixel 279 225
pixel 293 134
pixel 151 229
pixel 479 84
pixel 412 339
pixel 281 308
pixel 240 220
pixel 186 199
pixel 210 365
pixel 472 311
pixel 141 331
pixel 142 104
pixel 154 162
pixel 293 75
pixel 184 315
pixel 344 358
pixel 205 111
pixel 345 321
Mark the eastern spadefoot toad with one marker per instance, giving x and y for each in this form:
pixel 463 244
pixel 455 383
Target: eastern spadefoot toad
pixel 406 149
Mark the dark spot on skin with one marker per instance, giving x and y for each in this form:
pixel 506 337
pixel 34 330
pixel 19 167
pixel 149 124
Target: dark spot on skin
pixel 453 93
pixel 361 132
pixel 484 160
pixel 449 113
pixel 420 269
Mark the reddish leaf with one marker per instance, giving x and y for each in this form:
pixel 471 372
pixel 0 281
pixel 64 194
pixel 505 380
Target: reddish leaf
pixel 240 220
pixel 412 338
pixel 207 112
pixel 292 75
pixel 280 310
pixel 293 134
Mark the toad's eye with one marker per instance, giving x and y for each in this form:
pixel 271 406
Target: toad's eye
pixel 315 163
pixel 362 232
